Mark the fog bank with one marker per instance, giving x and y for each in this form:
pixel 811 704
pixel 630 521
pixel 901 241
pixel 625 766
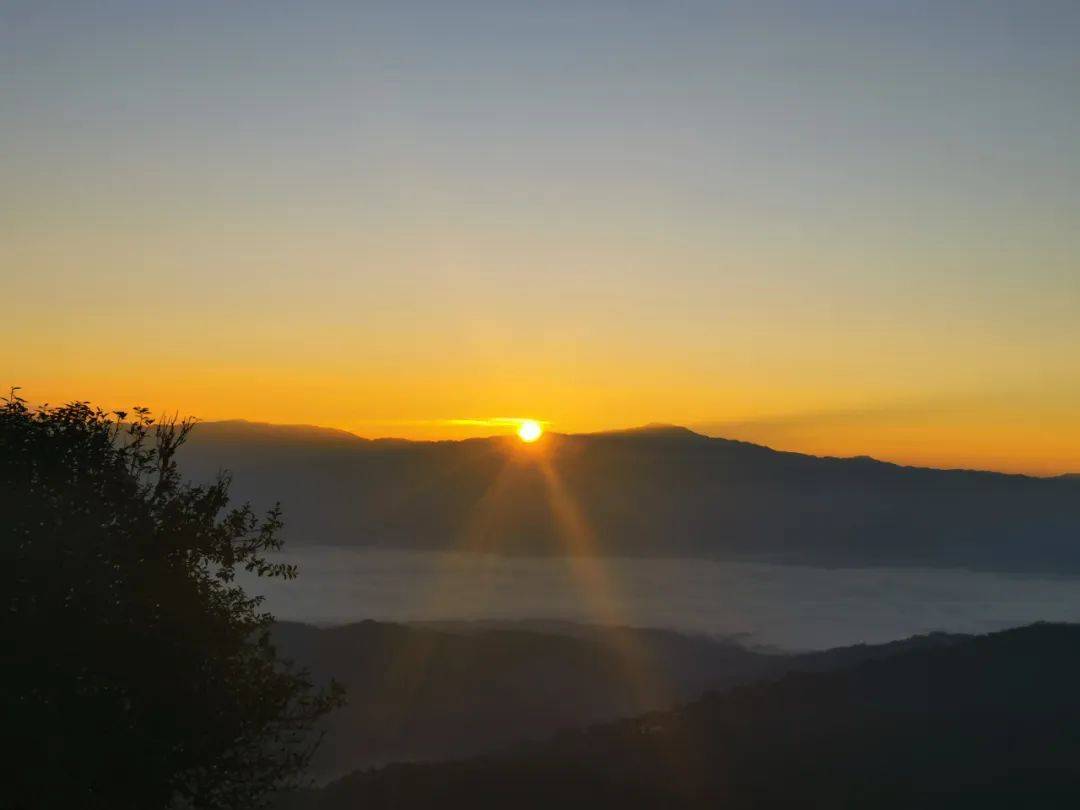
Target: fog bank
pixel 791 607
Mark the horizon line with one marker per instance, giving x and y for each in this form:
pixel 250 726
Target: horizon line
pixel 654 426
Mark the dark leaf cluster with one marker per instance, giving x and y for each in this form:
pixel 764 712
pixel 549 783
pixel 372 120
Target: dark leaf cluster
pixel 138 673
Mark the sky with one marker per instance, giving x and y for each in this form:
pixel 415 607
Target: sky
pixel 835 227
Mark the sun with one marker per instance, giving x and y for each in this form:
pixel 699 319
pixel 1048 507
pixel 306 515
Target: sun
pixel 529 431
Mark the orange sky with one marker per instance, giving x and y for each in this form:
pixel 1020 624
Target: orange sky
pixel 845 230
pixel 997 433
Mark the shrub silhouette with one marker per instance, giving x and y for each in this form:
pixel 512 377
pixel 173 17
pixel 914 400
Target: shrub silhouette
pixel 138 673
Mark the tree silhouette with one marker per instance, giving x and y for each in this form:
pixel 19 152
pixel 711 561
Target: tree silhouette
pixel 138 673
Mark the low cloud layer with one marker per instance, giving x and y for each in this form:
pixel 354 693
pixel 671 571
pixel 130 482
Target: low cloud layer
pixel 791 607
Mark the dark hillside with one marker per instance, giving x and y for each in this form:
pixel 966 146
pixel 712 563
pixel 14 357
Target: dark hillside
pixel 993 721
pixel 422 694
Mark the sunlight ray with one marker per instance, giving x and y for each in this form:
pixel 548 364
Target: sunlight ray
pixel 409 663
pixel 588 568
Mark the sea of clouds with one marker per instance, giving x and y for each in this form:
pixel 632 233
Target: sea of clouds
pixel 784 606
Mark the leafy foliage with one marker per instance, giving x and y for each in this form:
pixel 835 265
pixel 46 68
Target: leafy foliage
pixel 142 674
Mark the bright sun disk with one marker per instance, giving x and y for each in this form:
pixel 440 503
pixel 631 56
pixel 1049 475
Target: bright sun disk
pixel 530 430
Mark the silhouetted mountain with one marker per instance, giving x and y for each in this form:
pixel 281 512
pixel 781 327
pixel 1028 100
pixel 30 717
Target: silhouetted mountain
pixel 421 694
pixel 991 721
pixel 654 491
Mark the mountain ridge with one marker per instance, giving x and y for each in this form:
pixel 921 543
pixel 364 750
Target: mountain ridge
pixel 658 491
pixel 985 721
pixel 236 426
pixel 431 691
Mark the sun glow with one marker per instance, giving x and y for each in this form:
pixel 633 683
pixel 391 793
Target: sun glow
pixel 529 431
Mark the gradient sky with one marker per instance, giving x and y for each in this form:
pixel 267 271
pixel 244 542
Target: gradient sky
pixel 837 227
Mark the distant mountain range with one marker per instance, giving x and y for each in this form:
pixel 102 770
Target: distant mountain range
pixel 983 722
pixel 654 491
